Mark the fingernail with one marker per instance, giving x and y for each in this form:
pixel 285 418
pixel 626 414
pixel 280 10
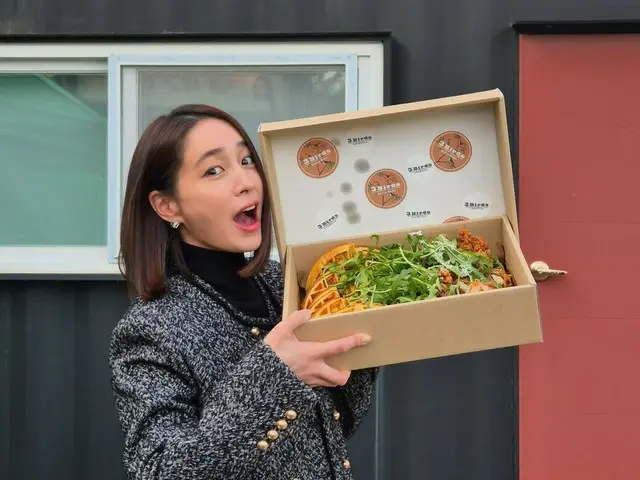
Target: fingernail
pixel 364 339
pixel 307 315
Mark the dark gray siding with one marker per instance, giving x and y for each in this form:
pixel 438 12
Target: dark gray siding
pixel 451 418
pixel 576 10
pixel 56 410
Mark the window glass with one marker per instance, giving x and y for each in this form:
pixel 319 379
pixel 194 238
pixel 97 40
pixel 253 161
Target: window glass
pixel 53 160
pixel 253 95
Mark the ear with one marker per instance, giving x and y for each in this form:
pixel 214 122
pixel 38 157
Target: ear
pixel 166 207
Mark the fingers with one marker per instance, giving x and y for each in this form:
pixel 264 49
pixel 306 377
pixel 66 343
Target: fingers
pixel 342 345
pixel 296 319
pixel 327 376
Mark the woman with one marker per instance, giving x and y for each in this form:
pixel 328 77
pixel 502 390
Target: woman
pixel 209 383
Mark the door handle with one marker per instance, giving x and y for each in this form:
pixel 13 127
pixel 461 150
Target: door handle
pixel 541 271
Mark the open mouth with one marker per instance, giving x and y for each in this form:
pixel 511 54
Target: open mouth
pixel 247 217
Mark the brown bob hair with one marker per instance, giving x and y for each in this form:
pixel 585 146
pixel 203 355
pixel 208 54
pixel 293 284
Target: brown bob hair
pixel 148 245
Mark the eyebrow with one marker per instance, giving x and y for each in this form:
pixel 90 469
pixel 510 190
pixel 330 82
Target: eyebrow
pixel 217 151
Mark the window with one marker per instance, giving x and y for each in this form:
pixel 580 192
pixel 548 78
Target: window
pixel 54 152
pixel 70 124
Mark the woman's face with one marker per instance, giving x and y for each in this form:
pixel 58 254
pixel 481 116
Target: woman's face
pixel 219 195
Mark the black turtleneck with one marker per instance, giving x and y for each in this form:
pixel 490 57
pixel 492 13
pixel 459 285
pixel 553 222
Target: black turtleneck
pixel 220 270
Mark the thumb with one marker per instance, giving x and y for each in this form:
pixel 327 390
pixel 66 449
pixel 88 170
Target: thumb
pixel 296 319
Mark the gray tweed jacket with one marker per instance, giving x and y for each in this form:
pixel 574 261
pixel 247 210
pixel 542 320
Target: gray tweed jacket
pixel 201 396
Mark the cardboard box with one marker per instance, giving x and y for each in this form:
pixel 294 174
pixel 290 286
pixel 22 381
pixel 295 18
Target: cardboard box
pixel 433 166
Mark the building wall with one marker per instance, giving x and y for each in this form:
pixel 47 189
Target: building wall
pixel 448 418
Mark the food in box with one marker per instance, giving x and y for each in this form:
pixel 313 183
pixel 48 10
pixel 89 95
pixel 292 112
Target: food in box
pixel 353 278
pixel 356 186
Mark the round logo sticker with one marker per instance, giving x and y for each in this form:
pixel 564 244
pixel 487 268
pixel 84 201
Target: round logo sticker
pixel 455 219
pixel 386 188
pixel 450 151
pixel 318 157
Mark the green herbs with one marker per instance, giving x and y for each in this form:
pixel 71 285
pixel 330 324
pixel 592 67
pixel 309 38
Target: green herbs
pixel 425 268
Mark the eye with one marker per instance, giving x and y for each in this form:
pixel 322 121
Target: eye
pixel 248 160
pixel 212 172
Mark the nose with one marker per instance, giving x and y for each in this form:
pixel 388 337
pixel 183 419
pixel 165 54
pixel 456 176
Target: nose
pixel 243 181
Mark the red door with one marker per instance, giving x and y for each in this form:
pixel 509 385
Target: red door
pixel 580 211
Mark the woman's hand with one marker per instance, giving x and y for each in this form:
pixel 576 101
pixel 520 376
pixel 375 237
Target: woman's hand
pixel 306 359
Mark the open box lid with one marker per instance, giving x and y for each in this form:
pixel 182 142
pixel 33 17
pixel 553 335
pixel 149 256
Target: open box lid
pixel 390 168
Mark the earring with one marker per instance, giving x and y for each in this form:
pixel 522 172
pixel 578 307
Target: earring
pixel 174 224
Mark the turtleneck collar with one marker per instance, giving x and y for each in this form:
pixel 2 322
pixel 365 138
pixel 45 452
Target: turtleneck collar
pixel 212 263
pixel 220 270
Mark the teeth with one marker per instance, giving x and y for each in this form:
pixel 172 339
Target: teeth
pixel 249 209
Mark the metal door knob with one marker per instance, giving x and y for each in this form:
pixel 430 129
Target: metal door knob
pixel 541 271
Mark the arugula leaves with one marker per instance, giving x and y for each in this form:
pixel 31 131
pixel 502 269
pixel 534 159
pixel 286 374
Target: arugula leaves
pixel 425 268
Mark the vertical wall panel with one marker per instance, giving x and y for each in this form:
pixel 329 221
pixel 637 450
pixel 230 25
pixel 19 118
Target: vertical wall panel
pixel 48 416
pixel 5 380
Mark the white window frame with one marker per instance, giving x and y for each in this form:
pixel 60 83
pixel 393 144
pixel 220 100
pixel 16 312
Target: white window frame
pixel 99 58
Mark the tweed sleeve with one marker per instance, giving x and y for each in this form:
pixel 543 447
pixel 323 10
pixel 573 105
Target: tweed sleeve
pixel 173 431
pixel 354 398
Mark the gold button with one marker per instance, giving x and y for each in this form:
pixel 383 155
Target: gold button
pixel 346 464
pixel 282 424
pixel 291 415
pixel 263 445
pixel 255 331
pixel 336 415
pixel 272 435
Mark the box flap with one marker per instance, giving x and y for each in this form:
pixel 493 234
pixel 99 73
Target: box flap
pixel 390 168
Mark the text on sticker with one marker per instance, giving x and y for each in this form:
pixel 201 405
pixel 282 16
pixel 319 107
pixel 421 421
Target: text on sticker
pixel 421 168
pixel 450 150
pixel 384 188
pixel 476 205
pixel 313 159
pixel 327 223
pixel 359 140
pixel 419 213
